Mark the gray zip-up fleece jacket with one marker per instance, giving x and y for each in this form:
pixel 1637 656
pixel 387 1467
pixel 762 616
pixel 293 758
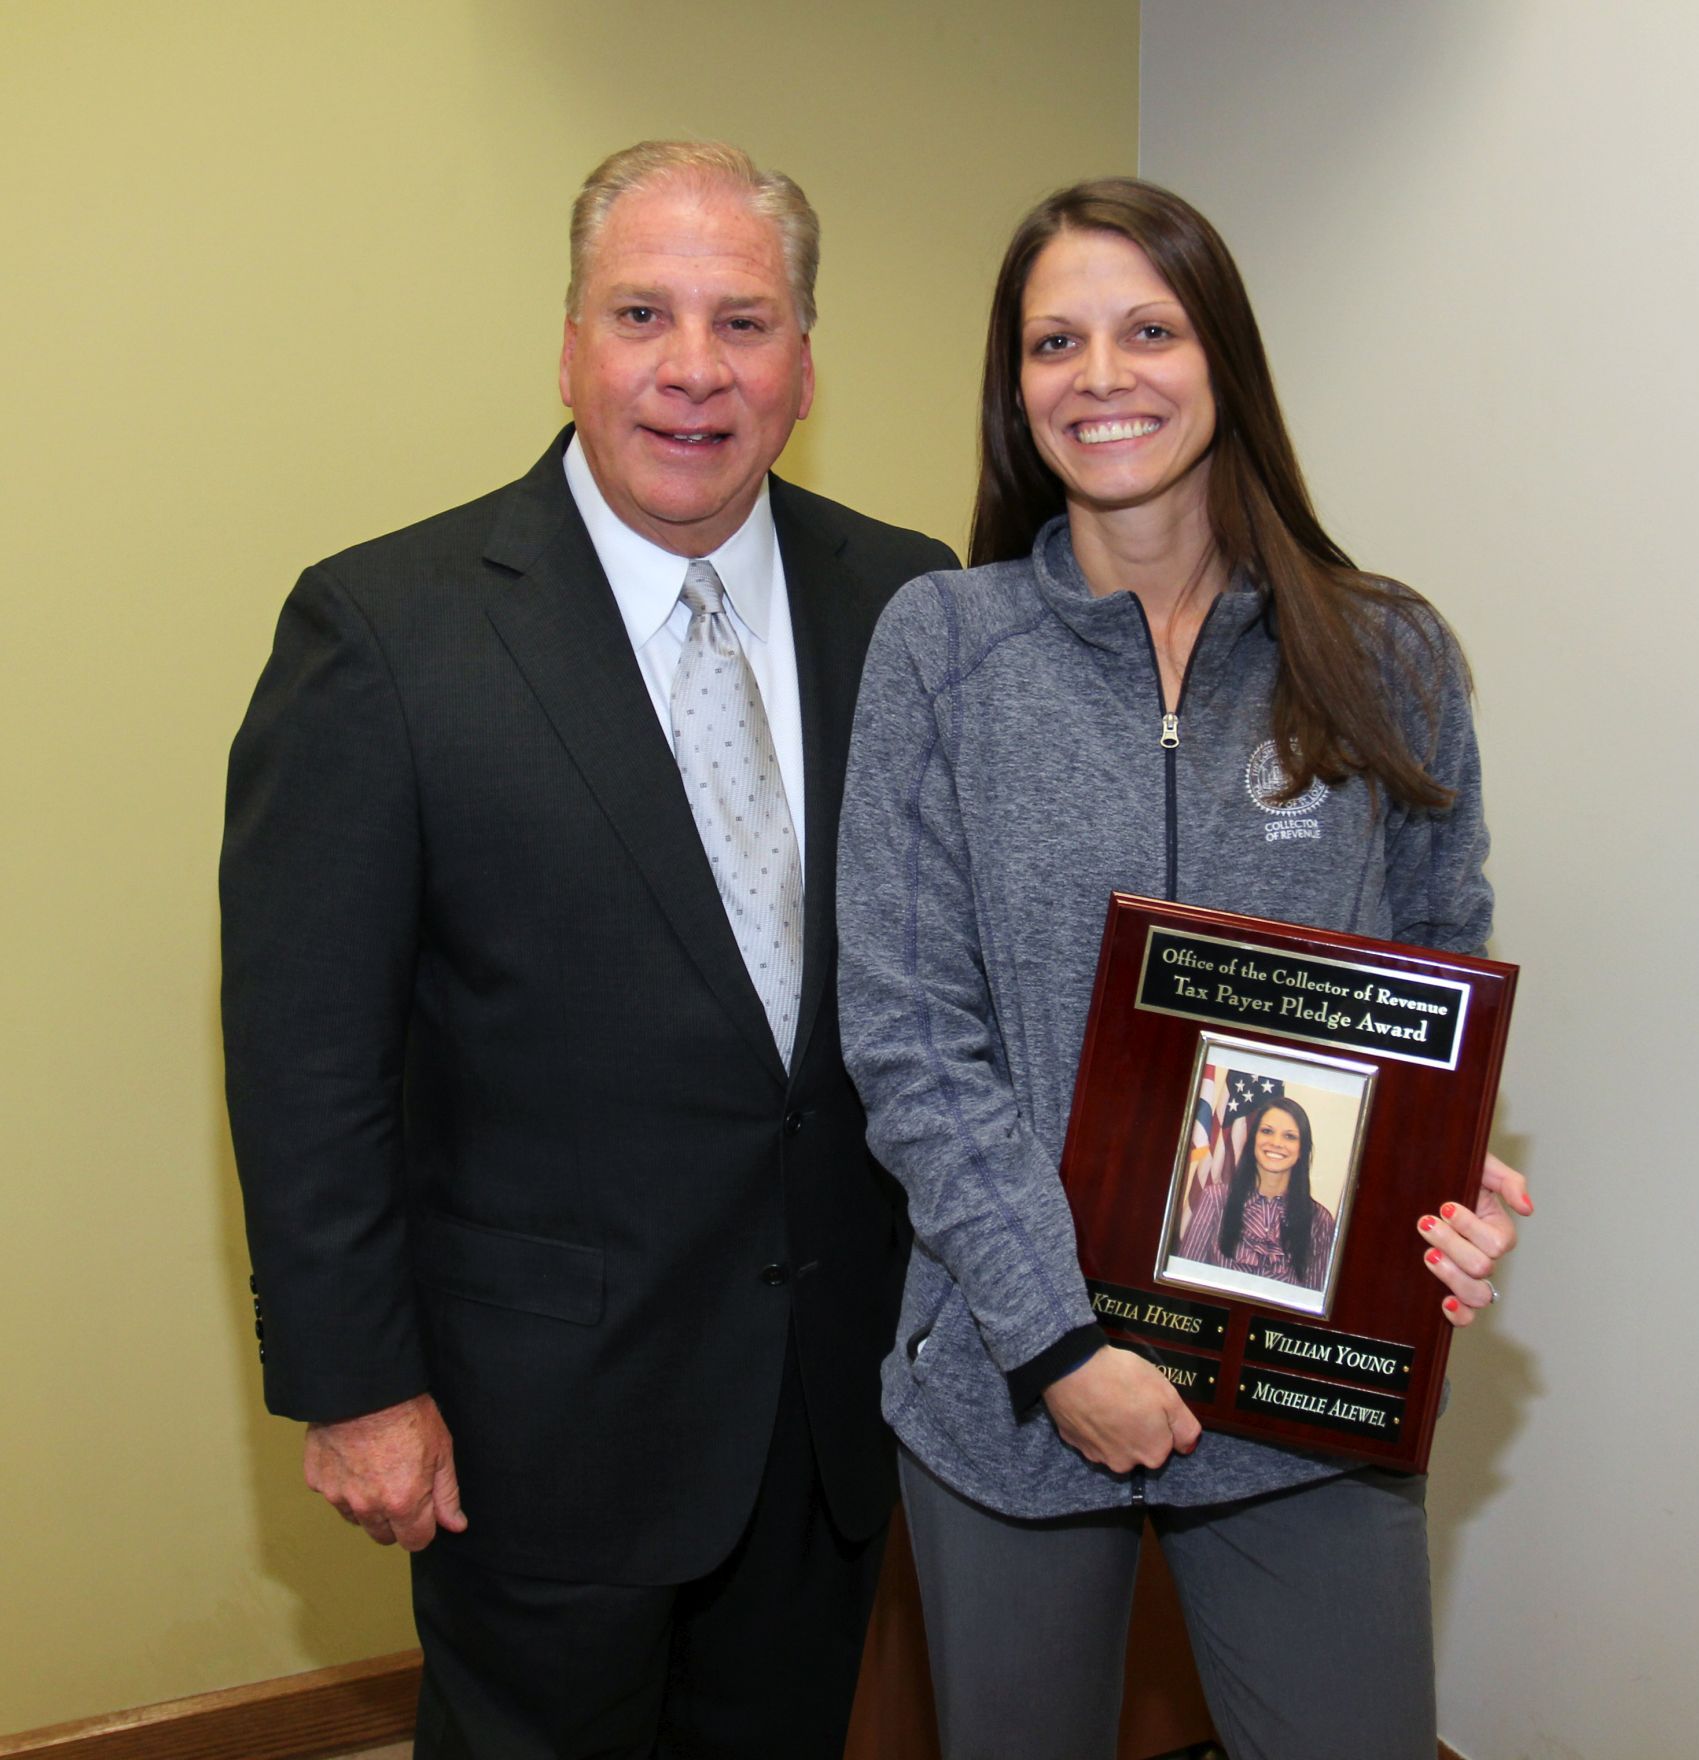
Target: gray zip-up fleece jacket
pixel 1008 772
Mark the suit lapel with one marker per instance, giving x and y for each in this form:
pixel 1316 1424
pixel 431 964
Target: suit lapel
pixel 559 621
pixel 825 623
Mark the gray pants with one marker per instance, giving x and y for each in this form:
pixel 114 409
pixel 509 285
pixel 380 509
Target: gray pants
pixel 1308 1613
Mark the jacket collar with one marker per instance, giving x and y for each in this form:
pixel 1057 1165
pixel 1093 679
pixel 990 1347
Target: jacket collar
pixel 1116 620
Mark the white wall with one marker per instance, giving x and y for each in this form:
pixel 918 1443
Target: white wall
pixel 1469 229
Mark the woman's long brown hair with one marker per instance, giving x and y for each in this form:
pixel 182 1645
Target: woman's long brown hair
pixel 1333 711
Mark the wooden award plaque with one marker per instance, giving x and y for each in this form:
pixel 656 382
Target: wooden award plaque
pixel 1221 1045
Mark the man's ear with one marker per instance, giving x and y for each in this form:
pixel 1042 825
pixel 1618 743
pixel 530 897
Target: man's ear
pixel 567 343
pixel 806 402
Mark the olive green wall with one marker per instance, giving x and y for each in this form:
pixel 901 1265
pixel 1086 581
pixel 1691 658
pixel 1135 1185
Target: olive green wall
pixel 278 278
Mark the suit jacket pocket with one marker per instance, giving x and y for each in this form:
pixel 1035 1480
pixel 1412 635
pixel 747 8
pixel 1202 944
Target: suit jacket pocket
pixel 524 1271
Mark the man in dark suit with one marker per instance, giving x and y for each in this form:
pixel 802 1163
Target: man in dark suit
pixel 556 1188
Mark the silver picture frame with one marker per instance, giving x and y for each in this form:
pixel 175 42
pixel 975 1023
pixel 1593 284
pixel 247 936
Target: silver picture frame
pixel 1230 1077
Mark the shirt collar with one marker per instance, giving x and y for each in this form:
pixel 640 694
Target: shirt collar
pixel 646 579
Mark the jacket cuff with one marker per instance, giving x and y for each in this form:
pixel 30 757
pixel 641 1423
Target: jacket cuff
pixel 1028 1382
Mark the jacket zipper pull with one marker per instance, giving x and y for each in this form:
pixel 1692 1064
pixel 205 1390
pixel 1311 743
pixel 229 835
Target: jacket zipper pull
pixel 1170 731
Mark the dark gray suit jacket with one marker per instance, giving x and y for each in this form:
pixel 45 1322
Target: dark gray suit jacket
pixel 510 1122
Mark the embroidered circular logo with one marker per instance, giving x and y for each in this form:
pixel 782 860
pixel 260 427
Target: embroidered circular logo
pixel 1265 777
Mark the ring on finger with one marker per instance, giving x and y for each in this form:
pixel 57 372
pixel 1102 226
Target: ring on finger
pixel 1492 1290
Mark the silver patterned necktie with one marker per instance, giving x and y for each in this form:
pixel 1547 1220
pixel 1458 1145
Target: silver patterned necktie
pixel 731 777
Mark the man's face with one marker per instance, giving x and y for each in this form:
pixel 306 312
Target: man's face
pixel 686 368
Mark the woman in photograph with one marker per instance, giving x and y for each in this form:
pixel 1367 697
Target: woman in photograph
pixel 1160 674
pixel 1263 1220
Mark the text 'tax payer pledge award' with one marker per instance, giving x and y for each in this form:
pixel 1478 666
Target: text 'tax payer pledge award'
pixel 1263 1112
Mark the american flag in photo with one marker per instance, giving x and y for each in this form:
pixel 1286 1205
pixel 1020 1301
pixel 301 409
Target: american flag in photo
pixel 1226 1099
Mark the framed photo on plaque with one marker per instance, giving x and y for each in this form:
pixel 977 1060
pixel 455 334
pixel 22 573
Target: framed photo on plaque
pixel 1312 1112
pixel 1263 1111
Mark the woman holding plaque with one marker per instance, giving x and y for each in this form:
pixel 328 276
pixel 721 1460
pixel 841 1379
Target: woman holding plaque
pixel 1264 1220
pixel 1160 675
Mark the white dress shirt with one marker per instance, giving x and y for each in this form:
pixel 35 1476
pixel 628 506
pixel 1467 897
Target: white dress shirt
pixel 646 581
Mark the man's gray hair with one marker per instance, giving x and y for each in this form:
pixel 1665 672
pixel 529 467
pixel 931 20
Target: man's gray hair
pixel 771 194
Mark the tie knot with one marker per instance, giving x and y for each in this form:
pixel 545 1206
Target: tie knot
pixel 702 591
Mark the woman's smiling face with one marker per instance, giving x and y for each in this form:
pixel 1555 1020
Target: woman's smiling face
pixel 1114 381
pixel 1278 1143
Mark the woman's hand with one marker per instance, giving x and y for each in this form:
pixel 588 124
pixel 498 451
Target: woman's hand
pixel 1120 1412
pixel 1463 1245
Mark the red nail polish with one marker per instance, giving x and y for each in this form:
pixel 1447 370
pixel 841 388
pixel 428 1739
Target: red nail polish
pixel 1426 1223
pixel 1452 1305
pixel 1448 1211
pixel 1434 1255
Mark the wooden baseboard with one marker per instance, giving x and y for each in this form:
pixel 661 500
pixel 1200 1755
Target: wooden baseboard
pixel 301 1716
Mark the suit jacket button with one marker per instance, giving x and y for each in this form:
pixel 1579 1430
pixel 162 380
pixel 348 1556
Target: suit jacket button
pixel 259 1329
pixel 253 1284
pixel 793 1123
pixel 773 1275
pixel 262 1353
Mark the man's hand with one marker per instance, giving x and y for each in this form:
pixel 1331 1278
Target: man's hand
pixel 1464 1246
pixel 389 1472
pixel 1120 1412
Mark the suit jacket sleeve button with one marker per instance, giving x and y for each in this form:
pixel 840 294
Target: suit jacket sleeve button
pixel 773 1275
pixel 793 1123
